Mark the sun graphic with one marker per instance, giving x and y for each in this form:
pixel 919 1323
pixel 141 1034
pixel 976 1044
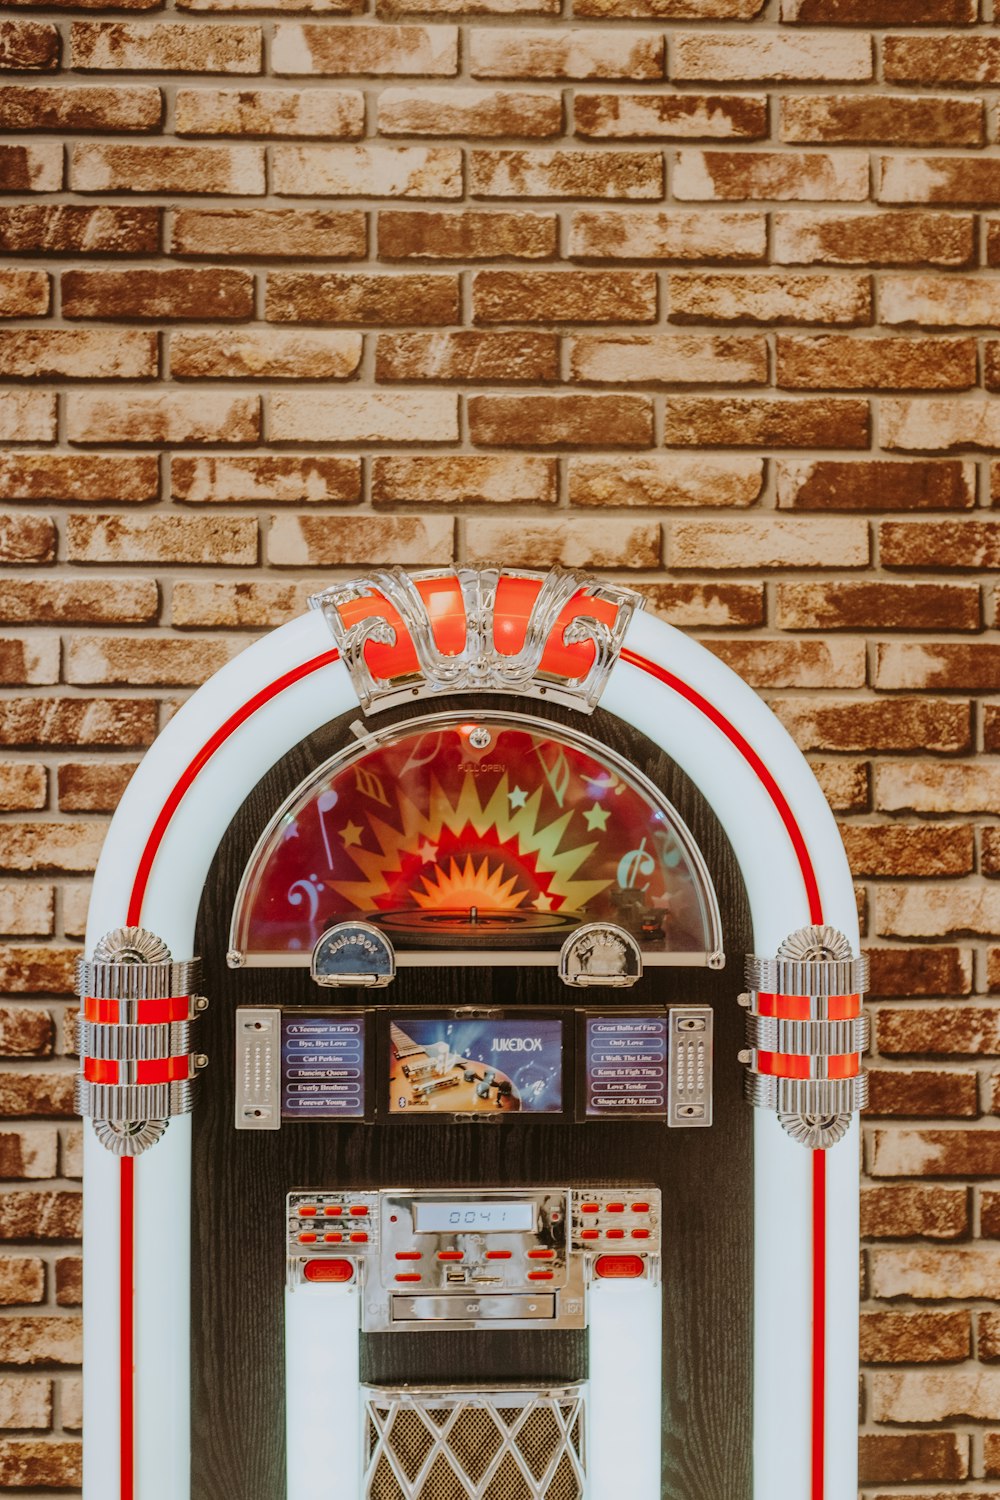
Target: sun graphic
pixel 468 885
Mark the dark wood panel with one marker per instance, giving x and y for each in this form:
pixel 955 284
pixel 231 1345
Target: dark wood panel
pixel 240 1179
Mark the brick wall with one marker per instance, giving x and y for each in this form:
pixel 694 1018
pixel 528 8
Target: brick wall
pixel 697 292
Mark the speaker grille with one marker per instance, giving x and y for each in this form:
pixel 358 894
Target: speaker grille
pixel 507 1443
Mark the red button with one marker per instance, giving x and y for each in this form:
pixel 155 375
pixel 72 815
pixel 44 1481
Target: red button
pixel 613 1234
pixel 539 1275
pixel 449 1255
pixel 588 1208
pixel 307 1211
pixel 616 1208
pixel 408 1255
pixel 498 1255
pixel 333 1239
pixel 590 1234
pixel 333 1210
pixel 640 1234
pixel 359 1239
pixel 329 1270
pixel 409 1276
pixel 359 1210
pixel 308 1239
pixel 541 1255
pixel 621 1266
pixel 640 1208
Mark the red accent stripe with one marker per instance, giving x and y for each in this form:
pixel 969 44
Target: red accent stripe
pixel 126 1181
pixel 147 1012
pixel 818 1447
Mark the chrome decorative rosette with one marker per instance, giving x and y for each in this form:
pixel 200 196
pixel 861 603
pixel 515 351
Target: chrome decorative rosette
pixel 806 1033
pixel 137 1067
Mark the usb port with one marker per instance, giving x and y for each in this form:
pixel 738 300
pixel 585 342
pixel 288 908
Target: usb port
pixel 456 1277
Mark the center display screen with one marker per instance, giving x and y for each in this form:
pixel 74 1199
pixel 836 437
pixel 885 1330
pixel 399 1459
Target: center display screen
pixel 455 1066
pixel 444 1218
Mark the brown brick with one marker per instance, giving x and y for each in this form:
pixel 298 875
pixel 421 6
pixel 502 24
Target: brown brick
pixel 264 354
pixel 618 544
pixel 883 119
pixel 705 605
pixel 375 171
pixel 693 10
pixel 364 417
pixel 922 971
pixel 694 421
pixel 671 359
pixel 310 541
pixel 93 786
pixel 34 107
pixel 31 169
pixel 460 479
pixel 166 47
pixel 26 1031
pixel 940 301
pixel 24 294
pixel 34 1340
pixel 861 239
pixel 877 606
pixel 28 1463
pixel 78 353
pixel 249 233
pixel 768 297
pixel 734 176
pixel 767 544
pixel 28 228
pixel 938 179
pixel 551 53
pixel 203 479
pixel 938 1153
pixel 50 846
pixel 882 12
pixel 681 234
pixel 789 663
pixel 378 49
pixel 373 298
pixel 846 362
pixel 890 1456
pixel 26 538
pixel 393 8
pixel 738 56
pixel 898 849
pixel 467 112
pixel 558 173
pixel 940 544
pixel 157 294
pixel 863 724
pixel 931 788
pixel 991 379
pixel 29 1153
pixel 877 484
pixel 909 1211
pixel 93 659
pixel 39 1094
pixel 949 666
pixel 473 235
pixel 25 1403
pixel 844 784
pixel 564 296
pixel 169 417
pixel 989 1214
pixel 667 479
pixel 991 727
pixel 28 46
pixel 329 113
pixel 22 1280
pixel 993 969
pixel 942 1093
pixel 960 1030
pixel 69 1281
pixel 23 786
pixel 469 356
pixel 942 59
pixel 26 910
pixel 561 421
pixel 71 1404
pixel 78 601
pixel 917 1396
pixel 893 1338
pixel 670 117
pixel 224 542
pixel 27 416
pixel 111 722
pixel 99 168
pixel 238 606
pixel 28 660
pixel 990 844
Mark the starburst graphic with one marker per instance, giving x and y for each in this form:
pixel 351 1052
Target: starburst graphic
pixel 469 885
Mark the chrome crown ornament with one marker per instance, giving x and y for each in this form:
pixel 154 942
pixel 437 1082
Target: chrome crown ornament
pixel 487 608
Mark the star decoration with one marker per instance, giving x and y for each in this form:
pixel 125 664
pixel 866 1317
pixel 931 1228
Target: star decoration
pixel 351 835
pixel 428 852
pixel 597 817
pixel 542 902
pixel 516 798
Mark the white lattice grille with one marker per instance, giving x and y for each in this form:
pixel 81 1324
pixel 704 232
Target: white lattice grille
pixel 508 1443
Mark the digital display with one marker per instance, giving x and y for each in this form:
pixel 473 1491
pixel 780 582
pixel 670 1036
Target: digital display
pixel 496 1067
pixel 464 1217
pixel 322 1067
pixel 626 1065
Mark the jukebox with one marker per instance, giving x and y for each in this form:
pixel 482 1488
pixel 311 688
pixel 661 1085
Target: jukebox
pixel 500 1143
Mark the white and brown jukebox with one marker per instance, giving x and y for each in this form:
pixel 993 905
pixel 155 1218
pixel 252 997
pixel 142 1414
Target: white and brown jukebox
pixel 500 1142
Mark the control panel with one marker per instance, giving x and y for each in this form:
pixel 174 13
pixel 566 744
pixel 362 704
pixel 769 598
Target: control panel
pixel 458 1258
